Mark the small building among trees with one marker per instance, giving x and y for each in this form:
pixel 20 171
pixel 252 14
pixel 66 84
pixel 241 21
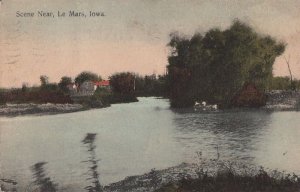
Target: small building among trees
pixel 249 96
pixel 102 84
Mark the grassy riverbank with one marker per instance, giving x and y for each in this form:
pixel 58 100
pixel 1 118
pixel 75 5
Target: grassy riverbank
pixel 219 177
pixel 230 181
pixel 210 176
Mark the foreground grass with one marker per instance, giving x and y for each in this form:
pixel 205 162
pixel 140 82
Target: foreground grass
pixel 229 181
pixel 204 176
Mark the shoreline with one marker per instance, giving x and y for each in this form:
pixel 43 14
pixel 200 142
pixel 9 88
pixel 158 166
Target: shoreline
pixel 14 110
pixel 278 101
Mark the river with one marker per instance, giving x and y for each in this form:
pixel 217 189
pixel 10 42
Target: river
pixel 134 138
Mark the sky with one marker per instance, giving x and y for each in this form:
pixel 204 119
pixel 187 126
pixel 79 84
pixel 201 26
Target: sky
pixel 132 36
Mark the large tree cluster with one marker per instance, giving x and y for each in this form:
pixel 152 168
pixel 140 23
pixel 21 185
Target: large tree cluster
pixel 214 66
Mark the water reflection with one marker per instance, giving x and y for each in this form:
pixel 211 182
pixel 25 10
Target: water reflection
pixel 41 181
pixel 234 134
pixel 279 146
pixel 93 175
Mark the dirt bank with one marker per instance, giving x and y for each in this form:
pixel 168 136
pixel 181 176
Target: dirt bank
pixel 279 100
pixel 11 110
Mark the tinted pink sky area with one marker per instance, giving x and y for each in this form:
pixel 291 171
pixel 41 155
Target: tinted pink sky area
pixel 131 37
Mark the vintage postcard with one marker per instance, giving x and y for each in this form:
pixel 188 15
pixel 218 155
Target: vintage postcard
pixel 149 95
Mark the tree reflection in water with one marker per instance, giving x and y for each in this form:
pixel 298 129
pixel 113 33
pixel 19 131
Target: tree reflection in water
pixel 236 134
pixel 89 142
pixel 42 182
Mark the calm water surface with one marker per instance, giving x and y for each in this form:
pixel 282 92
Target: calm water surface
pixel 134 138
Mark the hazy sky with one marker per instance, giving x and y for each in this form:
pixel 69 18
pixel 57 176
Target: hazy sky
pixel 131 37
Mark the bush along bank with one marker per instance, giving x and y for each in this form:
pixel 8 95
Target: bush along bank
pixel 229 181
pixel 211 176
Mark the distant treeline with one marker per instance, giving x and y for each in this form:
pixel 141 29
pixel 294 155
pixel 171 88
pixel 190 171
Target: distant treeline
pixel 151 85
pixel 34 95
pixel 284 83
pixel 45 93
pixel 124 87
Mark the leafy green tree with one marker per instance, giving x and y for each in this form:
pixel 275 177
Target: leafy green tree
pixel 150 85
pixel 87 76
pixel 46 86
pixel 139 84
pixel 24 87
pixel 284 83
pixel 215 66
pixel 64 82
pixel 123 87
pixel 44 80
pixel 123 83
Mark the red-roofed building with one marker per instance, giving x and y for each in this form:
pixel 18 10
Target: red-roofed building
pixel 249 96
pixel 104 84
pixel 87 88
